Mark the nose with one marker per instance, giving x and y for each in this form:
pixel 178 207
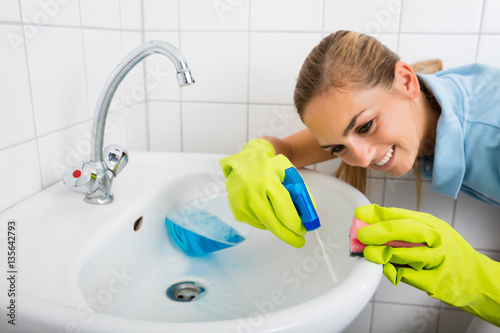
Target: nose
pixel 363 153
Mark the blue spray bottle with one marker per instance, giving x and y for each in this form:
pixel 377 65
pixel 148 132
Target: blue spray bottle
pixel 301 200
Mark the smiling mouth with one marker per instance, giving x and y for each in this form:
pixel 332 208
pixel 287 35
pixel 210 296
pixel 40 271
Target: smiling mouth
pixel 386 158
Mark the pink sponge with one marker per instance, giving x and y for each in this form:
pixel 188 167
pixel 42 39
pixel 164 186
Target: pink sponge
pixel 357 247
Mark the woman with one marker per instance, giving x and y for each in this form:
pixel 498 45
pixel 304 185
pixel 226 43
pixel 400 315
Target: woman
pixel 362 104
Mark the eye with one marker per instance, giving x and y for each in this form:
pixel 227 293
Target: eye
pixel 366 127
pixel 336 150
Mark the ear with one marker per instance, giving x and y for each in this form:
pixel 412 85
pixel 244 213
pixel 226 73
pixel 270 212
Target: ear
pixel 406 80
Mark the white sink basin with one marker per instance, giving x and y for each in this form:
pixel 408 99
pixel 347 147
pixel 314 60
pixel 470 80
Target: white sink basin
pixel 84 268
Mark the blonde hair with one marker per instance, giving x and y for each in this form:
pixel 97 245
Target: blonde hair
pixel 352 60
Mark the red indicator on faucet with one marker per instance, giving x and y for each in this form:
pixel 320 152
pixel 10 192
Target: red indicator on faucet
pixel 77 173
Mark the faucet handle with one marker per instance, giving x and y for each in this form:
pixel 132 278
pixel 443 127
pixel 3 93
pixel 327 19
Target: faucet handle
pixel 80 178
pixel 115 158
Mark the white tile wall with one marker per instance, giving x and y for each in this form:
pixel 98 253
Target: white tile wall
pixel 165 126
pixel 275 61
pixel 56 55
pixel 286 15
pixel 57 76
pixel 132 89
pixel 100 14
pixel 96 42
pixel 131 14
pixel 213 127
pixel 362 322
pixel 160 72
pixel 403 194
pixel 490 23
pixel 65 147
pixel 391 317
pixel 453 49
pixel 488 51
pixel 380 16
pixel 452 320
pixel 17 124
pixel 275 120
pixel 220 64
pixel 403 294
pixel 9 11
pixel 128 127
pixel 202 15
pixel 161 14
pixel 390 40
pixel 431 16
pixel 65 13
pixel 23 160
pixel 478 223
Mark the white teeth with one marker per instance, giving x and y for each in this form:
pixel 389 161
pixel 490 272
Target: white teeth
pixel 386 158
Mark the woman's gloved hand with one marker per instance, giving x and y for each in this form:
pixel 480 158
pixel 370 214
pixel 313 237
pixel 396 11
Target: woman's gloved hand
pixel 448 269
pixel 256 194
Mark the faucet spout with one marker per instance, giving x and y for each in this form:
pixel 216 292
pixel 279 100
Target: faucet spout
pixel 94 178
pixel 184 78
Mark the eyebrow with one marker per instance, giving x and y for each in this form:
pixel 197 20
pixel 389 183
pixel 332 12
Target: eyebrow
pixel 351 124
pixel 347 129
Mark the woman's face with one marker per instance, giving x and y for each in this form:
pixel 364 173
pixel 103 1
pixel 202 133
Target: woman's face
pixel 375 128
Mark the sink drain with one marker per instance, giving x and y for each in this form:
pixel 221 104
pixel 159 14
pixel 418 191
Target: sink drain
pixel 186 291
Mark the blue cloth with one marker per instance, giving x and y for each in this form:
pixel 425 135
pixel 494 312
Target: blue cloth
pixel 467 150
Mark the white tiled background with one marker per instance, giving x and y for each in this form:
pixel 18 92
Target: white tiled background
pixel 55 56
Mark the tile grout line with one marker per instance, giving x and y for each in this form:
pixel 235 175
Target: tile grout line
pixel 31 99
pixel 144 74
pixel 181 97
pixel 480 33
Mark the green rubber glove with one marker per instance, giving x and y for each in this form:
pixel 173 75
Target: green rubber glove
pixel 448 269
pixel 256 194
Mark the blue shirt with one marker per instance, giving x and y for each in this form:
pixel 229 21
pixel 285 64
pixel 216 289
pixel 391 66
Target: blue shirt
pixel 467 151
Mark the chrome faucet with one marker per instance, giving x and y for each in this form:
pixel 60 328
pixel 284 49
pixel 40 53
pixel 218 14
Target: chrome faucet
pixel 94 178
